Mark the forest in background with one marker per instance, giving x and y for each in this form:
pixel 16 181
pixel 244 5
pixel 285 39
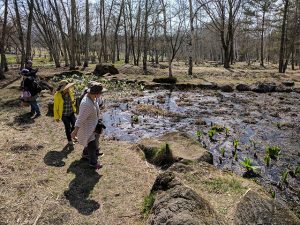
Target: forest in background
pixel 76 33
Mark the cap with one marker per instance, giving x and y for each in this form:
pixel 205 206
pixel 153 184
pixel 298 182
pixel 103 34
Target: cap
pixel 95 88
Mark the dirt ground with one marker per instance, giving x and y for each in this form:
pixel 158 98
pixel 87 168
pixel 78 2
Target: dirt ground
pixel 43 181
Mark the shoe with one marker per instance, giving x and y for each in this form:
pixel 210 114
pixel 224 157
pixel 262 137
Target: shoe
pixel 96 166
pixel 36 116
pixel 70 143
pixel 100 154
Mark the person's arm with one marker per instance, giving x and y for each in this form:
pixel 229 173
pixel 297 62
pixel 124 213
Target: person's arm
pixel 74 132
pixel 84 113
pixel 56 107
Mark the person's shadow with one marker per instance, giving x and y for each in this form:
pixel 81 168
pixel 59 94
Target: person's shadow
pixel 55 158
pixel 81 186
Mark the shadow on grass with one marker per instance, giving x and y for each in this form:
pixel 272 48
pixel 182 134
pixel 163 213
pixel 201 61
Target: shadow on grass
pixel 55 158
pixel 12 103
pixel 23 119
pixel 81 186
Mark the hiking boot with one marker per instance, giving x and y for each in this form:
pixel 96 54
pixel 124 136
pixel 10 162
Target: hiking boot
pixel 71 143
pixel 96 166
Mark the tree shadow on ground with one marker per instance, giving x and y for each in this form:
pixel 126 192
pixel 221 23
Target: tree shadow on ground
pixel 55 158
pixel 81 187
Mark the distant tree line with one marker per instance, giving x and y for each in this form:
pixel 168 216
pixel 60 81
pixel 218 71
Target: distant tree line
pixel 76 33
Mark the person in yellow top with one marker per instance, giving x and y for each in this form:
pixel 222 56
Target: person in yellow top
pixel 65 107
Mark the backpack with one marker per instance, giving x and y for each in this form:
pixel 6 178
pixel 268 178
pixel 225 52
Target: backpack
pixel 36 86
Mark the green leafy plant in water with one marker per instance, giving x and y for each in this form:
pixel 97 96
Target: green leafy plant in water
pixel 297 170
pixel 235 144
pixel 267 160
pixel 147 204
pixel 273 151
pixel 199 134
pixel 211 134
pixel 222 151
pixel 226 131
pixel 284 176
pixel 235 156
pixel 273 193
pixel 247 163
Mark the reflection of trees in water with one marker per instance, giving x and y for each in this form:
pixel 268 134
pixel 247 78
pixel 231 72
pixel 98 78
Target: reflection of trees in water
pixel 168 100
pixel 81 186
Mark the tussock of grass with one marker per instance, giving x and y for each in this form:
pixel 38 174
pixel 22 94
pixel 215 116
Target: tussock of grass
pixel 222 185
pixel 147 204
pixel 155 111
pixel 158 156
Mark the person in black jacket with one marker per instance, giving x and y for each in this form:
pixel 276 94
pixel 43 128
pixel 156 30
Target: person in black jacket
pixel 30 84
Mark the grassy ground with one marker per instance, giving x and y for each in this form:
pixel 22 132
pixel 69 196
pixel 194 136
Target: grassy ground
pixel 45 181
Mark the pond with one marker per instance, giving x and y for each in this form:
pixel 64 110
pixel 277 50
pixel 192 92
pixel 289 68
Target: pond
pixel 246 124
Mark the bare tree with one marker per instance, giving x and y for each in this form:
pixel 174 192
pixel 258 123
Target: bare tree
pixel 3 64
pixel 223 15
pixel 73 35
pixel 87 34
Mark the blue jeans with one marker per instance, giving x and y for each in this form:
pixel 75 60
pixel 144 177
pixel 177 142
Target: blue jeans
pixel 35 107
pixel 69 122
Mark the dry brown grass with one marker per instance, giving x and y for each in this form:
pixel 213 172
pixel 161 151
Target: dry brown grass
pixel 42 181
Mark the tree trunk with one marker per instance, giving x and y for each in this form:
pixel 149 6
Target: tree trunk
pixel 116 33
pixel 73 36
pixel 3 64
pixel 20 34
pixel 262 40
pixel 145 38
pixel 87 34
pixel 282 41
pixel 192 40
pixel 29 26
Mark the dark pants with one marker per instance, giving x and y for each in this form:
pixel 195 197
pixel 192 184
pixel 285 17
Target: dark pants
pixel 69 122
pixel 92 151
pixel 34 107
pixel 85 150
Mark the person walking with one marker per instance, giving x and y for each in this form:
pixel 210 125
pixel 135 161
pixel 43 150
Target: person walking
pixel 30 84
pixel 87 120
pixel 100 126
pixel 65 108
